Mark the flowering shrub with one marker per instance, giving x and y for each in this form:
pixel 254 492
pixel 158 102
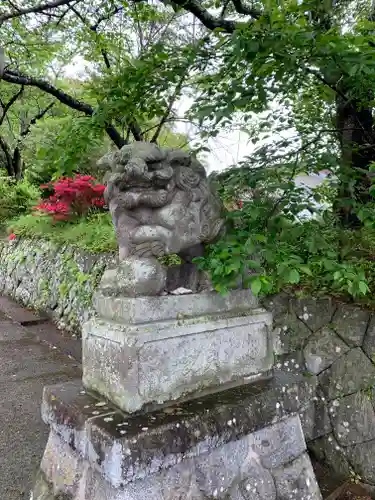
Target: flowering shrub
pixel 72 197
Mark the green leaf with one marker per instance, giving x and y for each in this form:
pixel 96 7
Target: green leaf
pixel 261 238
pixel 306 270
pixel 293 276
pixel 256 286
pixel 253 46
pixel 253 264
pixel 337 275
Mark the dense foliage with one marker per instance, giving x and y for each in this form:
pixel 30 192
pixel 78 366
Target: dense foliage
pixel 296 77
pixel 16 198
pixel 93 233
pixel 271 246
pixel 52 125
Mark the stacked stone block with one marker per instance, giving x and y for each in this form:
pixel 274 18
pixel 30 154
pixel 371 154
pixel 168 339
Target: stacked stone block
pixel 332 344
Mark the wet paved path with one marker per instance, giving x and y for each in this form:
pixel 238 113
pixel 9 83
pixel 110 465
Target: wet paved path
pixel 30 357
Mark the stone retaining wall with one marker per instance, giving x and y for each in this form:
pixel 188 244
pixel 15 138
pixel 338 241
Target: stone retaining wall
pixel 333 345
pixel 58 280
pixel 330 343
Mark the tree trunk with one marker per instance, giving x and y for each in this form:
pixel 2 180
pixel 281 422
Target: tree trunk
pixel 355 129
pixel 17 163
pixel 13 161
pixel 8 157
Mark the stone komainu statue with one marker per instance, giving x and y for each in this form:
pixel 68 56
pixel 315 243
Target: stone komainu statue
pixel 161 201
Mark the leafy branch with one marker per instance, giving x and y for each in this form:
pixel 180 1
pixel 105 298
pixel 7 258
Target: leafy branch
pixel 168 111
pixel 133 125
pixel 19 78
pixel 37 117
pixel 13 161
pixel 40 8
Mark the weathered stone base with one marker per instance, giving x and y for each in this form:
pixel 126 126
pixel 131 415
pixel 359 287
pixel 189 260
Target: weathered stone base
pixel 237 445
pixel 149 351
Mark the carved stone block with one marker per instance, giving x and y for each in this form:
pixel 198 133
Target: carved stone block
pixel 153 350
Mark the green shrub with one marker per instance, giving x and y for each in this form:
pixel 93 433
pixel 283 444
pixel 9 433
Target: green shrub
pixel 16 198
pixel 67 145
pixel 272 249
pixel 94 233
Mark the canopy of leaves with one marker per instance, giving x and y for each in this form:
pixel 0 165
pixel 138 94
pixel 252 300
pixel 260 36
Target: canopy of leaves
pixel 133 76
pixel 296 76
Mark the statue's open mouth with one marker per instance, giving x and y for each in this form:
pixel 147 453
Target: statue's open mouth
pixel 153 185
pixel 146 188
pixel 140 187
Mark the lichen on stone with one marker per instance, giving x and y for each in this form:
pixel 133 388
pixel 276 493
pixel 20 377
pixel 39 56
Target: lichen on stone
pixel 56 279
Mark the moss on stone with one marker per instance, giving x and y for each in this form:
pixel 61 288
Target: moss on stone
pixel 63 289
pixel 44 275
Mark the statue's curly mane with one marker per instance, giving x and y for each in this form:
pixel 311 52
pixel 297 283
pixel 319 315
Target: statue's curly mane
pixel 144 181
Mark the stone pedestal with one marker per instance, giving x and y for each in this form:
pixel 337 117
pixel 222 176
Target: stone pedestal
pixel 178 402
pixel 236 445
pixel 141 352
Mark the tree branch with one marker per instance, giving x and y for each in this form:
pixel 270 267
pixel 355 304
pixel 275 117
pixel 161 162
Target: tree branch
pixel 14 162
pixel 21 79
pixel 246 10
pixel 172 100
pixel 7 106
pixel 93 28
pixel 105 17
pixel 324 80
pixel 37 117
pixel 211 22
pixel 225 6
pixel 135 129
pixel 66 11
pixel 33 10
